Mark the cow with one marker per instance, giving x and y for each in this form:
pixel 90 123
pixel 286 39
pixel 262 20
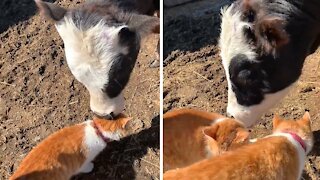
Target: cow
pixel 264 44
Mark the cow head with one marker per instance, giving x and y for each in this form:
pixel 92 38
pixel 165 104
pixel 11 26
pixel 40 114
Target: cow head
pixel 263 48
pixel 101 47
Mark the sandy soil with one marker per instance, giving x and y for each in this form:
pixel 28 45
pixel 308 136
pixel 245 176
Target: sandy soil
pixel 194 78
pixel 39 95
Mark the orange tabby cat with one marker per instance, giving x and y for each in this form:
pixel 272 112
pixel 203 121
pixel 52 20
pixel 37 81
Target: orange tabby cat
pixel 280 155
pixel 70 150
pixel 192 135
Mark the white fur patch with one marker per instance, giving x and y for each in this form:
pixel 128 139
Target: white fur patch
pixel 253 140
pixel 93 144
pixel 89 55
pixel 250 115
pixel 209 152
pixel 300 150
pixel 113 135
pixel 102 105
pixel 219 120
pixel 232 40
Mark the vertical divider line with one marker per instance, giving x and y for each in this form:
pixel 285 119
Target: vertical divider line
pixel 161 88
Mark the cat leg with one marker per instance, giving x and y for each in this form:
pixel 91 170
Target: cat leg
pixel 86 168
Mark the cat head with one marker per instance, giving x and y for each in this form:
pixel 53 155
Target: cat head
pixel 225 135
pixel 300 127
pixel 113 129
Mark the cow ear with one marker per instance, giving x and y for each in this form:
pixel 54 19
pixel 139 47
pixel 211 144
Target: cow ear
pixel 51 11
pixel 273 36
pixel 144 25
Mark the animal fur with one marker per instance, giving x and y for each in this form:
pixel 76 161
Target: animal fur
pixel 277 156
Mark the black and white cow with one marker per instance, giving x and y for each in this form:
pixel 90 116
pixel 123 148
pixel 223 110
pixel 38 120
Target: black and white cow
pixel 264 44
pixel 102 41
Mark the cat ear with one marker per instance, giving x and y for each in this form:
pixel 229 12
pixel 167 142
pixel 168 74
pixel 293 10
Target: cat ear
pixel 306 120
pixel 211 131
pixel 242 136
pixel 276 121
pixel 51 11
pixel 306 116
pixel 124 121
pixel 211 144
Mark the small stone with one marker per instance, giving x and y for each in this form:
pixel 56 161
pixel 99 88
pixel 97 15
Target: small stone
pixel 307 89
pixel 37 138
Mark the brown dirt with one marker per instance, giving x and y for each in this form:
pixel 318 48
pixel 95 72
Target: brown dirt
pixel 194 78
pixel 39 95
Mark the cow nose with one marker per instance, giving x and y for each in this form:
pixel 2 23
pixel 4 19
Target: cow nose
pixel 229 115
pixel 110 116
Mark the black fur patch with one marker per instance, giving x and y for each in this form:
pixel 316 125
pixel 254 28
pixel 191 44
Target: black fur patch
pixel 122 67
pixel 249 34
pixel 252 80
pixel 248 16
pixel 247 80
pixel 85 20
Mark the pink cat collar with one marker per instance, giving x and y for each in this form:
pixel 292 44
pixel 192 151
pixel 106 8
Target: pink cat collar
pixel 299 140
pixel 99 133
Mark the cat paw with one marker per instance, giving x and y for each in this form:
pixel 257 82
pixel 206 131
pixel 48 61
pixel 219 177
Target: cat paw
pixel 87 167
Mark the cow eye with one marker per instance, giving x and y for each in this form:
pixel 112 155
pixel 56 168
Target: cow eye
pixel 249 34
pixel 251 16
pixel 248 16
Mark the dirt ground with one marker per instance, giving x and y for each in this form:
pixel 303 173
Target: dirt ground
pixel 39 95
pixel 194 78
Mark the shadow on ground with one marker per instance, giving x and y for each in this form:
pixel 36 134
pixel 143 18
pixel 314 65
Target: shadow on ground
pixel 189 32
pixel 14 11
pixel 316 147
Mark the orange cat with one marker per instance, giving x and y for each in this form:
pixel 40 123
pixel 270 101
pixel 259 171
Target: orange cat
pixel 192 135
pixel 70 150
pixel 280 155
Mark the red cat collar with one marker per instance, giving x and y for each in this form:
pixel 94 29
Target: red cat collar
pixel 99 133
pixel 299 140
